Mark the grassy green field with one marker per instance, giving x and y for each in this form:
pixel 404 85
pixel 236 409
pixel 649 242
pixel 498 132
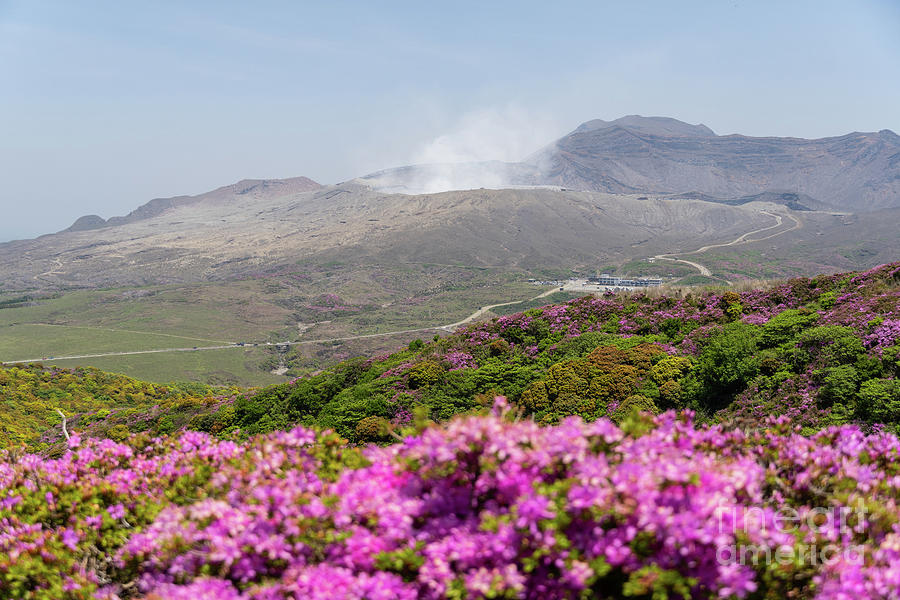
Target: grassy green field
pixel 42 340
pixel 197 311
pixel 334 301
pixel 217 367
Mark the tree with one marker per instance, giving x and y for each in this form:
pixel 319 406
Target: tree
pixel 879 401
pixel 727 363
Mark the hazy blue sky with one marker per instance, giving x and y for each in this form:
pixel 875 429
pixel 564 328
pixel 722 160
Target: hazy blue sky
pixel 105 105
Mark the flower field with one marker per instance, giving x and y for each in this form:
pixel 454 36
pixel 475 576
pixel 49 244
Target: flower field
pixel 483 507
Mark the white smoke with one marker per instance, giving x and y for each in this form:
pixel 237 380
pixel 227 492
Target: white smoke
pixel 483 148
pixel 507 134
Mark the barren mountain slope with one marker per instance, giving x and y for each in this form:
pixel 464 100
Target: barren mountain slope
pixel 236 236
pixel 248 189
pixel 825 243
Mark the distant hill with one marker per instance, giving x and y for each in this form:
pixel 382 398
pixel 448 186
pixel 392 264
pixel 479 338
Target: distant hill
pixel 649 125
pixel 660 155
pixel 247 188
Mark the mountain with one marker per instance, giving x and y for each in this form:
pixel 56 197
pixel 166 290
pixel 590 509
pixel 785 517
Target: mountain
pixel 664 156
pixel 857 171
pixel 222 235
pixel 649 125
pixel 246 189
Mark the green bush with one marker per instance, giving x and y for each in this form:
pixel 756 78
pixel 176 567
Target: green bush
pixel 372 429
pixel 785 326
pixel 424 374
pixel 349 408
pixel 165 425
pixel 670 368
pixel 829 344
pixel 726 364
pixel 631 405
pixel 118 433
pixel 670 394
pixel 879 401
pixel 839 386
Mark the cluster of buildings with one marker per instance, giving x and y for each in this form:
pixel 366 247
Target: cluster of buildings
pixel 600 283
pixel 613 281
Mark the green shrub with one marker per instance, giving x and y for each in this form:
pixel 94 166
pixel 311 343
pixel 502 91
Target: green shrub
pixel 727 363
pixel 879 401
pixel 670 394
pixel 785 326
pixel 118 433
pixel 839 386
pixel 165 425
pixel 372 429
pixel 670 368
pixel 828 344
pixel 826 300
pixel 425 373
pixel 631 405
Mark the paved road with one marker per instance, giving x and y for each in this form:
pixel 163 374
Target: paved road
pixel 742 239
pixel 484 309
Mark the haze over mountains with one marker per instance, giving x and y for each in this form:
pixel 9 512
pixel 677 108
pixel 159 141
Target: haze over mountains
pixel 610 191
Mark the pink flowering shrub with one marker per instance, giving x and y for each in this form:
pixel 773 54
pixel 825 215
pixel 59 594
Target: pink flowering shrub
pixel 460 360
pixel 482 507
pixel 886 334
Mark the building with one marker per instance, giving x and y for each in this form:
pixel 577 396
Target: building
pixel 612 281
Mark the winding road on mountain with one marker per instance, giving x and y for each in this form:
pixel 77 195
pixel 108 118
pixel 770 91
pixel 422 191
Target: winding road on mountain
pixel 743 239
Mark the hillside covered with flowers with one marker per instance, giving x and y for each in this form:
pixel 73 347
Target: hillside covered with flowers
pixel 111 405
pixel 822 351
pixel 710 445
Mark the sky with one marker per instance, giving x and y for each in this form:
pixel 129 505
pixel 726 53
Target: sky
pixel 105 105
